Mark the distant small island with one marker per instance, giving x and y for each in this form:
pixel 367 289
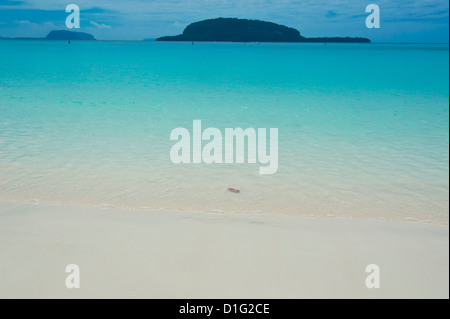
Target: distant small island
pixel 243 30
pixel 61 35
pixel 69 35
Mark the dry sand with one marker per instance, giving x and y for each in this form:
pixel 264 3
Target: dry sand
pixel 161 254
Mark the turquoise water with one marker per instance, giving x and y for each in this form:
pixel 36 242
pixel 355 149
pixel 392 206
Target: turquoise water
pixel 363 129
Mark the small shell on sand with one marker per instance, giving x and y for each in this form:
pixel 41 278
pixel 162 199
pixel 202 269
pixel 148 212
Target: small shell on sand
pixel 234 190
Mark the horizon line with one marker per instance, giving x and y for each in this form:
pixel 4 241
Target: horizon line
pixel 154 40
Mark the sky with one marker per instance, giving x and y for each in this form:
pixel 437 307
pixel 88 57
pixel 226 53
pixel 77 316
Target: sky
pixel 425 21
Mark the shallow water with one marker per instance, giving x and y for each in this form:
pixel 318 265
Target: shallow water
pixel 363 129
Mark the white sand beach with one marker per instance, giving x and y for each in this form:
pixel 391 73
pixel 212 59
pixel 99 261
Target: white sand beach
pixel 163 254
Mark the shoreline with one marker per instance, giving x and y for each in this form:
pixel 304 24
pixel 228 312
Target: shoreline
pixel 169 254
pixel 349 217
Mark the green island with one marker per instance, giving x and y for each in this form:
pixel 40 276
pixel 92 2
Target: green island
pixel 244 30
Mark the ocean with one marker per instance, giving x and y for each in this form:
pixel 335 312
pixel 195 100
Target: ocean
pixel 363 129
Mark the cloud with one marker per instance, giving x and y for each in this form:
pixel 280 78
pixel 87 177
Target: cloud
pixel 26 22
pixel 27 28
pixel 100 25
pixel 177 24
pixel 46 24
pixel 10 3
pixel 331 14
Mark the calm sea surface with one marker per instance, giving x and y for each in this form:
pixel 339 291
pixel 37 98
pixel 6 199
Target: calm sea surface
pixel 363 129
